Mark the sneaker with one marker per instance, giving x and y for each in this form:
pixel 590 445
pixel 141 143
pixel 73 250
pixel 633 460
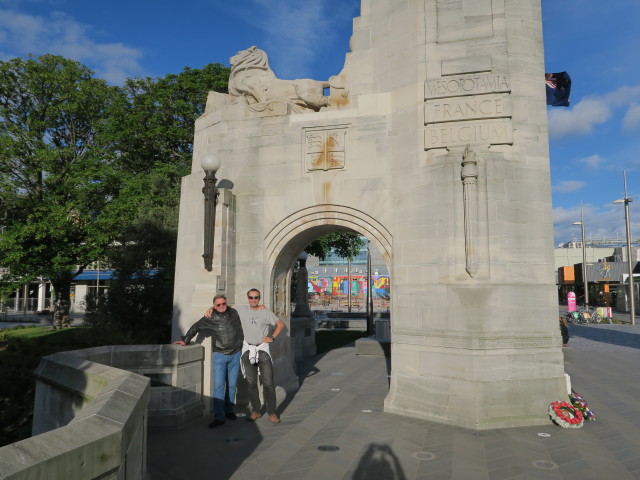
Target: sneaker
pixel 216 423
pixel 254 416
pixel 273 418
pixel 231 415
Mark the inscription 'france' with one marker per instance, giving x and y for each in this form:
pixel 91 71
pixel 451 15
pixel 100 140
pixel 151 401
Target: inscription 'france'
pixel 466 85
pixel 467 108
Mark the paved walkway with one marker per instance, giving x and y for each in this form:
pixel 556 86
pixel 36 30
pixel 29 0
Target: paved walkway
pixel 335 428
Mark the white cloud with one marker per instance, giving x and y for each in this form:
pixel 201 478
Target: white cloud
pixel 592 161
pixel 593 110
pixel 569 186
pixel 579 120
pixel 563 227
pixel 294 31
pixel 60 34
pixel 600 222
pixel 631 120
pixel 623 95
pixel 565 215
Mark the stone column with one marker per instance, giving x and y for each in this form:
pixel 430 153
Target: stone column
pixel 42 289
pixel 302 321
pixel 475 337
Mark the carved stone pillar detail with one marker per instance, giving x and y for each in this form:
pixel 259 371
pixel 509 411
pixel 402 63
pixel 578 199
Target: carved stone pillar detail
pixel 325 148
pixel 469 176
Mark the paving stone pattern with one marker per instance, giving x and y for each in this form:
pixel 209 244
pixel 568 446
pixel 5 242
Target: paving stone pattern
pixel 340 404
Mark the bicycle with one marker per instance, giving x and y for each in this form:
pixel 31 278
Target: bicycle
pixel 575 317
pixel 590 314
pixel 584 314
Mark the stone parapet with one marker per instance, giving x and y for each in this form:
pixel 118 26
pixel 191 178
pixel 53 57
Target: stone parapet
pixel 93 406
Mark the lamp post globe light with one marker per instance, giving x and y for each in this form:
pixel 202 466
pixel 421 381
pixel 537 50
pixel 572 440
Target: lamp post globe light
pixel 584 258
pixel 626 200
pixel 210 164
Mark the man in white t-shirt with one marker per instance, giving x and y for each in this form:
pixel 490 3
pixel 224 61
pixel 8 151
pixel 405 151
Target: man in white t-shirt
pixel 257 325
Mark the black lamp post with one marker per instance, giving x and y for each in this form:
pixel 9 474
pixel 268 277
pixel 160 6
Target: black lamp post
pixel 632 289
pixel 210 164
pixel 370 329
pixel 585 271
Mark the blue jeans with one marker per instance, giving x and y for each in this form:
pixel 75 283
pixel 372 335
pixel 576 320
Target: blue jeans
pixel 225 374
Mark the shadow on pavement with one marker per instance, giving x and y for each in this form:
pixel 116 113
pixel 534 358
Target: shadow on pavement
pixel 379 461
pixel 197 452
pixel 603 335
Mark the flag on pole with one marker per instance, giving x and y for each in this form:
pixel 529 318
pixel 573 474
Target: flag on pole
pixel 558 89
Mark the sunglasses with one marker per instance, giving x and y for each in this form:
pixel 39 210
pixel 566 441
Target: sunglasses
pixel 219 304
pixel 253 298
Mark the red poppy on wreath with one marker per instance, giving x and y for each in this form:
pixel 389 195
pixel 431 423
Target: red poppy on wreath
pixel 566 415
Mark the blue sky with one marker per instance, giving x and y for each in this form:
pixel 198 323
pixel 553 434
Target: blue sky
pixel 591 143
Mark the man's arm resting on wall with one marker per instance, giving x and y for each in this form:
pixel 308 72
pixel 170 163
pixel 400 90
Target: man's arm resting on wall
pixel 209 312
pixel 192 332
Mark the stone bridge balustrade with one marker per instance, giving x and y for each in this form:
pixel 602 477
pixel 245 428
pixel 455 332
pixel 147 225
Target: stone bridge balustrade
pixel 93 406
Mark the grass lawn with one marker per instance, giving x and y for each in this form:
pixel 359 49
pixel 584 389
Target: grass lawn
pixel 26 332
pixel 30 332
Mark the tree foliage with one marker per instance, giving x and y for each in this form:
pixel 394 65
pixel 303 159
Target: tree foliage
pixel 342 244
pixel 86 167
pixel 56 178
pixel 152 128
pixel 153 123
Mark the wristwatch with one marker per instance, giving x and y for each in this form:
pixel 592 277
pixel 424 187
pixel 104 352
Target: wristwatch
pixel 272 337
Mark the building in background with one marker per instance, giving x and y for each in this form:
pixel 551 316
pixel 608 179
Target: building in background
pixel 606 269
pixel 37 297
pixel 334 279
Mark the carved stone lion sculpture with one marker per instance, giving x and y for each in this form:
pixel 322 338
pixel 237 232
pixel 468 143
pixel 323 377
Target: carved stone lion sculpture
pixel 253 83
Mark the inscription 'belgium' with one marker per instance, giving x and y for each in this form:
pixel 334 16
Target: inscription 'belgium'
pixel 466 85
pixel 467 108
pixel 492 132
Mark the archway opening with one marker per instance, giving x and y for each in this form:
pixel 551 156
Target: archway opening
pixel 349 297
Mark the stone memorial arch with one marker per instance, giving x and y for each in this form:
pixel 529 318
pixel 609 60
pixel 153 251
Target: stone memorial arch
pixel 432 142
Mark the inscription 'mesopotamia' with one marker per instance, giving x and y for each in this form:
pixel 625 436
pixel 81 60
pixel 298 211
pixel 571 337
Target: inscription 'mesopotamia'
pixel 325 149
pixel 466 85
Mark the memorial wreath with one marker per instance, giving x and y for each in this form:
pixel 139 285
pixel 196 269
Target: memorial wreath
pixel 566 415
pixel 579 402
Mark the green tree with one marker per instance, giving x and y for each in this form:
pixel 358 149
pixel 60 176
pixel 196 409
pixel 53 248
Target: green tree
pixel 153 123
pixel 343 244
pixel 152 128
pixel 55 176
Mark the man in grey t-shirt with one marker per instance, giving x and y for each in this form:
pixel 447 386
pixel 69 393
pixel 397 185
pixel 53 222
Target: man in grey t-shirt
pixel 257 322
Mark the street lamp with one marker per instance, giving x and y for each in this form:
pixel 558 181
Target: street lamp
pixel 584 259
pixel 210 164
pixel 370 328
pixel 626 200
